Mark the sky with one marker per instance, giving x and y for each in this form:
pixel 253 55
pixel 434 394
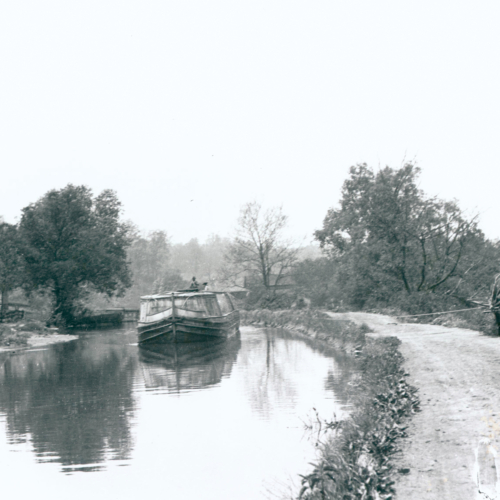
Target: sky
pixel 190 109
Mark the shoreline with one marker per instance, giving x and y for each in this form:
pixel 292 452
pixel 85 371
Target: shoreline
pixel 358 455
pixel 36 341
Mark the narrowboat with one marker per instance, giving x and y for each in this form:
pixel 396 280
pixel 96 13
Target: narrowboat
pixel 187 316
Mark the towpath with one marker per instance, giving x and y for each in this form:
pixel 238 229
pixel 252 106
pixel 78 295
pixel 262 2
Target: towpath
pixel 453 445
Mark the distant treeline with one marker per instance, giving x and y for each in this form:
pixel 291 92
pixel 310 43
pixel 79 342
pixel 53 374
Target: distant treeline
pixel 385 244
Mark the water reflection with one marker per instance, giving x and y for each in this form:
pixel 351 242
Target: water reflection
pixel 217 421
pixel 73 400
pixel 186 367
pixel 280 366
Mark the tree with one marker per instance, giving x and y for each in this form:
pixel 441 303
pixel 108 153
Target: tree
pixel 387 237
pixel 201 260
pixel 259 250
pixel 11 263
pixel 75 243
pixel 150 262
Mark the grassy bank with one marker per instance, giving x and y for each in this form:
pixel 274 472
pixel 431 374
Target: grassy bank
pixel 356 454
pixel 343 335
pixel 17 334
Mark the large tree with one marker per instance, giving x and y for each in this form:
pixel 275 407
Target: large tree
pixel 11 263
pixel 259 250
pixel 75 243
pixel 387 237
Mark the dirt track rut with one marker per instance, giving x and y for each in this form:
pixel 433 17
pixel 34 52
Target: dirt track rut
pixel 453 446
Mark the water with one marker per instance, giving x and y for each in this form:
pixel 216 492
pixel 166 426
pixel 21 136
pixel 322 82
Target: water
pixel 102 418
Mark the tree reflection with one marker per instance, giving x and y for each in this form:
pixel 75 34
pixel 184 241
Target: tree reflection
pixel 74 401
pixel 278 364
pixel 273 360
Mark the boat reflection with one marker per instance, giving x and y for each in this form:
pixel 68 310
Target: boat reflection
pixel 188 366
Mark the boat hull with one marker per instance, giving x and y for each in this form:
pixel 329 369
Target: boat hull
pixel 189 329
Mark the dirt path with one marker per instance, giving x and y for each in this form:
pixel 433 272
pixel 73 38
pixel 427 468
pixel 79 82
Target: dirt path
pixel 453 442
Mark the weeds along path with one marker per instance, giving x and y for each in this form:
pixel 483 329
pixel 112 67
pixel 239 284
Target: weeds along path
pixel 453 444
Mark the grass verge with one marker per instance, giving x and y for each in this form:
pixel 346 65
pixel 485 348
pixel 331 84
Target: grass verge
pixel 355 460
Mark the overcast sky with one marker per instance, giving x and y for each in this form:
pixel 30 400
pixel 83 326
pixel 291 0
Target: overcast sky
pixel 188 109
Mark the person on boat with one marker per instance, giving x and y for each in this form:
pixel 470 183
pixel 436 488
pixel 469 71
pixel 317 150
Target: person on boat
pixel 194 284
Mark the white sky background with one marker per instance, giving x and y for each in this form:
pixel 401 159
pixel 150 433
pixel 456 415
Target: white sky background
pixel 188 109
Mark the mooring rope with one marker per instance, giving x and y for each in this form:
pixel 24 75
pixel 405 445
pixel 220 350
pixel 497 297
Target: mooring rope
pixel 430 314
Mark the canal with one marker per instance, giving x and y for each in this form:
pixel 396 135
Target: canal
pixel 100 417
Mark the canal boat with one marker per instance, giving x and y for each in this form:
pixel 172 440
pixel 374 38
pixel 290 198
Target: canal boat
pixel 187 316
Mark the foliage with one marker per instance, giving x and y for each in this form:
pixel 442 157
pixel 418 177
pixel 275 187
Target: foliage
pixel 315 279
pixel 356 456
pixel 203 260
pixel 259 252
pixel 75 243
pixel 150 264
pixel 388 239
pixel 11 262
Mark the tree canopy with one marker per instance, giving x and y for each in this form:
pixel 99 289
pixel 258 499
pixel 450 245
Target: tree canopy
pixel 75 243
pixel 259 251
pixel 150 263
pixel 11 262
pixel 387 237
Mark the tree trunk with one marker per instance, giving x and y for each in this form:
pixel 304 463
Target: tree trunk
pixel 497 318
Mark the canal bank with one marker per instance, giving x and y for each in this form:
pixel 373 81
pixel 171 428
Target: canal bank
pixel 356 454
pixel 451 449
pixel 28 335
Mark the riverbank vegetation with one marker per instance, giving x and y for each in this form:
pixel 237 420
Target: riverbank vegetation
pixel 17 334
pixel 356 454
pixel 356 457
pixel 344 335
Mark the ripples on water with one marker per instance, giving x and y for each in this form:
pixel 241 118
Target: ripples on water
pixel 202 421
